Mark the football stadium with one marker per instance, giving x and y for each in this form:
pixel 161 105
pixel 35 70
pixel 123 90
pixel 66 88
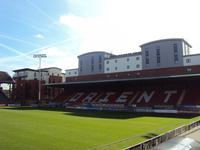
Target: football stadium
pixel 137 101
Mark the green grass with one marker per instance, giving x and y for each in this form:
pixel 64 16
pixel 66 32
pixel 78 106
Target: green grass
pixel 40 129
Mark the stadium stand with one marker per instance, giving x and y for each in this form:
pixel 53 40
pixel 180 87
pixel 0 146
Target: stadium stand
pixel 174 93
pixel 3 98
pixel 141 98
pixel 26 86
pixel 4 79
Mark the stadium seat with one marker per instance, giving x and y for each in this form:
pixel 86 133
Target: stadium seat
pixel 152 95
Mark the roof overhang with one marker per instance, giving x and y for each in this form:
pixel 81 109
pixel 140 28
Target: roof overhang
pixel 76 83
pixel 23 69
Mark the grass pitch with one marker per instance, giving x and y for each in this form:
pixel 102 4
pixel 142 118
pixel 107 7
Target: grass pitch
pixel 41 129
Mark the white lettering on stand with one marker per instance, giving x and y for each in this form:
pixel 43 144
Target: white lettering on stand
pixel 124 97
pixel 90 96
pixel 145 96
pixel 106 97
pixel 169 94
pixel 76 96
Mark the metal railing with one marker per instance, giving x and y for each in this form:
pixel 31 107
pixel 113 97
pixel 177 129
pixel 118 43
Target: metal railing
pixel 163 137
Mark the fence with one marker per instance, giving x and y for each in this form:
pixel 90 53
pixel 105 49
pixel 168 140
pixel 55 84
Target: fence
pixel 164 137
pixel 130 140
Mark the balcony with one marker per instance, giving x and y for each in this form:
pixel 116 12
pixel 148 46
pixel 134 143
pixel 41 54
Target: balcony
pixel 20 75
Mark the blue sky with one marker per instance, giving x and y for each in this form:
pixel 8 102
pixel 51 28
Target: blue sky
pixel 64 29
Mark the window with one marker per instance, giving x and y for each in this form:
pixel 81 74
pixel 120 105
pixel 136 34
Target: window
pixel 188 60
pixel 137 66
pixel 158 59
pixel 158 54
pixel 146 53
pixel 147 56
pixel 107 69
pixel 75 72
pixel 115 60
pixel 69 73
pixel 137 58
pixel 115 68
pixel 176 58
pixel 100 67
pixel 92 60
pixel 92 68
pixel 175 48
pixel 158 51
pixel 127 59
pixel 127 67
pixel 100 59
pixel 81 65
pixel 107 62
pixel 147 60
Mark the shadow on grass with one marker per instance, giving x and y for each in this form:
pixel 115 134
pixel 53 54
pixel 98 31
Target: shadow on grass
pixel 149 135
pixel 104 114
pixel 125 115
pixel 35 108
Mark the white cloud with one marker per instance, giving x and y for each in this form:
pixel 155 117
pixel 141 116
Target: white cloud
pixel 52 52
pixel 98 33
pixel 122 26
pixel 59 57
pixel 39 36
pixel 126 24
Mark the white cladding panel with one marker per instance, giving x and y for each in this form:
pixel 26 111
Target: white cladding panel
pixel 63 77
pixel 26 74
pixel 191 60
pixel 50 72
pixel 31 75
pixel 45 74
pixel 71 72
pixel 122 64
pixel 53 71
pixel 35 75
pixel 186 49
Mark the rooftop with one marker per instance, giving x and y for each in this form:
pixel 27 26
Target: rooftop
pixel 191 55
pixel 123 80
pixel 29 69
pixel 94 52
pixel 24 69
pixel 71 69
pixel 5 77
pixel 51 68
pixel 170 39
